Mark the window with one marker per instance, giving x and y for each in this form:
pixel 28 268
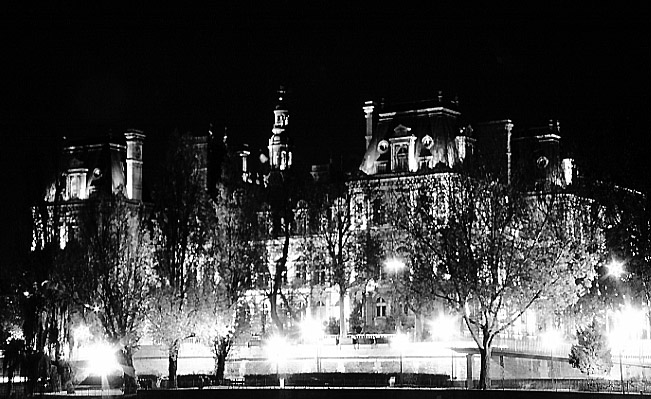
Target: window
pixel 402 162
pixel 320 310
pixel 321 277
pixel 301 271
pixel 379 213
pixel 427 142
pixel 383 146
pixel 380 307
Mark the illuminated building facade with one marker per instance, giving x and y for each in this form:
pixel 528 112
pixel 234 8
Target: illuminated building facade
pixel 85 169
pixel 425 143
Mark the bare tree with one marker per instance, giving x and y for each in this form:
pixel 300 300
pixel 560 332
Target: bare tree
pixel 235 252
pixel 180 207
pixel 491 252
pixel 336 237
pixel 120 263
pixel 282 194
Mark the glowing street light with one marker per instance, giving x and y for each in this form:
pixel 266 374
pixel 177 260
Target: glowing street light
pixel 444 327
pixel 615 268
pixel 400 341
pixel 100 360
pixel 629 325
pixel 276 349
pixel 312 331
pixel 394 264
pixel 552 339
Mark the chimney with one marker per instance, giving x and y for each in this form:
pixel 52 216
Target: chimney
pixel 369 106
pixel 134 140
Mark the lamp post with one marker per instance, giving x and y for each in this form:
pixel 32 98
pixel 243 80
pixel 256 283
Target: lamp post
pixel 395 264
pixel 630 321
pixel 399 342
pixel 551 339
pixel 276 349
pixel 312 332
pixel 444 329
pixel 616 270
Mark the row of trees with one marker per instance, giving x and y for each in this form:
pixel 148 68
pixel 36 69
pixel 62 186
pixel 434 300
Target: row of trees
pixel 174 268
pixel 490 251
pixel 181 266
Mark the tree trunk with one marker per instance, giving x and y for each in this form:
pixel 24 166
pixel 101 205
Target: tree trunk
pixel 173 363
pixel 222 347
pixel 130 385
pixel 273 312
pixel 342 317
pixel 418 326
pixel 485 365
pixel 364 311
pixel 281 266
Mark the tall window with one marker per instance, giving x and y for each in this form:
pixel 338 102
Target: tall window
pixel 320 310
pixel 321 276
pixel 380 307
pixel 402 161
pixel 379 212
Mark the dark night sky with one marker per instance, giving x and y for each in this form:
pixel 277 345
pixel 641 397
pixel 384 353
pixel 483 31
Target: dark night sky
pixel 72 74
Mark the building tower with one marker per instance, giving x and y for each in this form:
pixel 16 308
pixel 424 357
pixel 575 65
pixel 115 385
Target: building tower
pixel 134 139
pixel 280 149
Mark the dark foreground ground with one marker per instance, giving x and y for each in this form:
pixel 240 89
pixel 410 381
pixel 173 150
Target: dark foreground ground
pixel 358 393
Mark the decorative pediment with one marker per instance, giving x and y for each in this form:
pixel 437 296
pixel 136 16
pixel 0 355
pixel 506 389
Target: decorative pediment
pixel 401 130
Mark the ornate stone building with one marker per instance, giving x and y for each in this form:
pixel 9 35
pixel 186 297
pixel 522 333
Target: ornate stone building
pixel 86 168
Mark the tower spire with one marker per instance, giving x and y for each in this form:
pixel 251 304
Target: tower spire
pixel 280 151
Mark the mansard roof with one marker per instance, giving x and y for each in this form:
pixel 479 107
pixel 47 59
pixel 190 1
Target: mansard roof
pixel 421 119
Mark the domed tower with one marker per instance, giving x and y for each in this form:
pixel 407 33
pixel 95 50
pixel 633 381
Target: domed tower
pixel 280 148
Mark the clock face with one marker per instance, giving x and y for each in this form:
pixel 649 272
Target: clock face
pixel 137 152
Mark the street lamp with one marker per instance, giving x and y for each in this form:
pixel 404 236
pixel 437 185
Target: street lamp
pixel 276 349
pixel 615 268
pixel 443 328
pixel 400 341
pixel 395 265
pixel 630 322
pixel 551 339
pixel 312 331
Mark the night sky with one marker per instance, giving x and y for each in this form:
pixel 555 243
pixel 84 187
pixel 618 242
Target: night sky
pixel 74 74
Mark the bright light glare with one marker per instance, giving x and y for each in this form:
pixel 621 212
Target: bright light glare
pixel 615 268
pixel 81 333
pixel 444 327
pixel 277 349
pixel 394 264
pixel 400 341
pixel 552 338
pixel 629 325
pixel 311 330
pixel 101 359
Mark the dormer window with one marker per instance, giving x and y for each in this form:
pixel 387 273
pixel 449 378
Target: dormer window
pixel 76 183
pixel 427 142
pixel 402 162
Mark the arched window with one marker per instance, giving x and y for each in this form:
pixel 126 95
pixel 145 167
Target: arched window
pixel 380 307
